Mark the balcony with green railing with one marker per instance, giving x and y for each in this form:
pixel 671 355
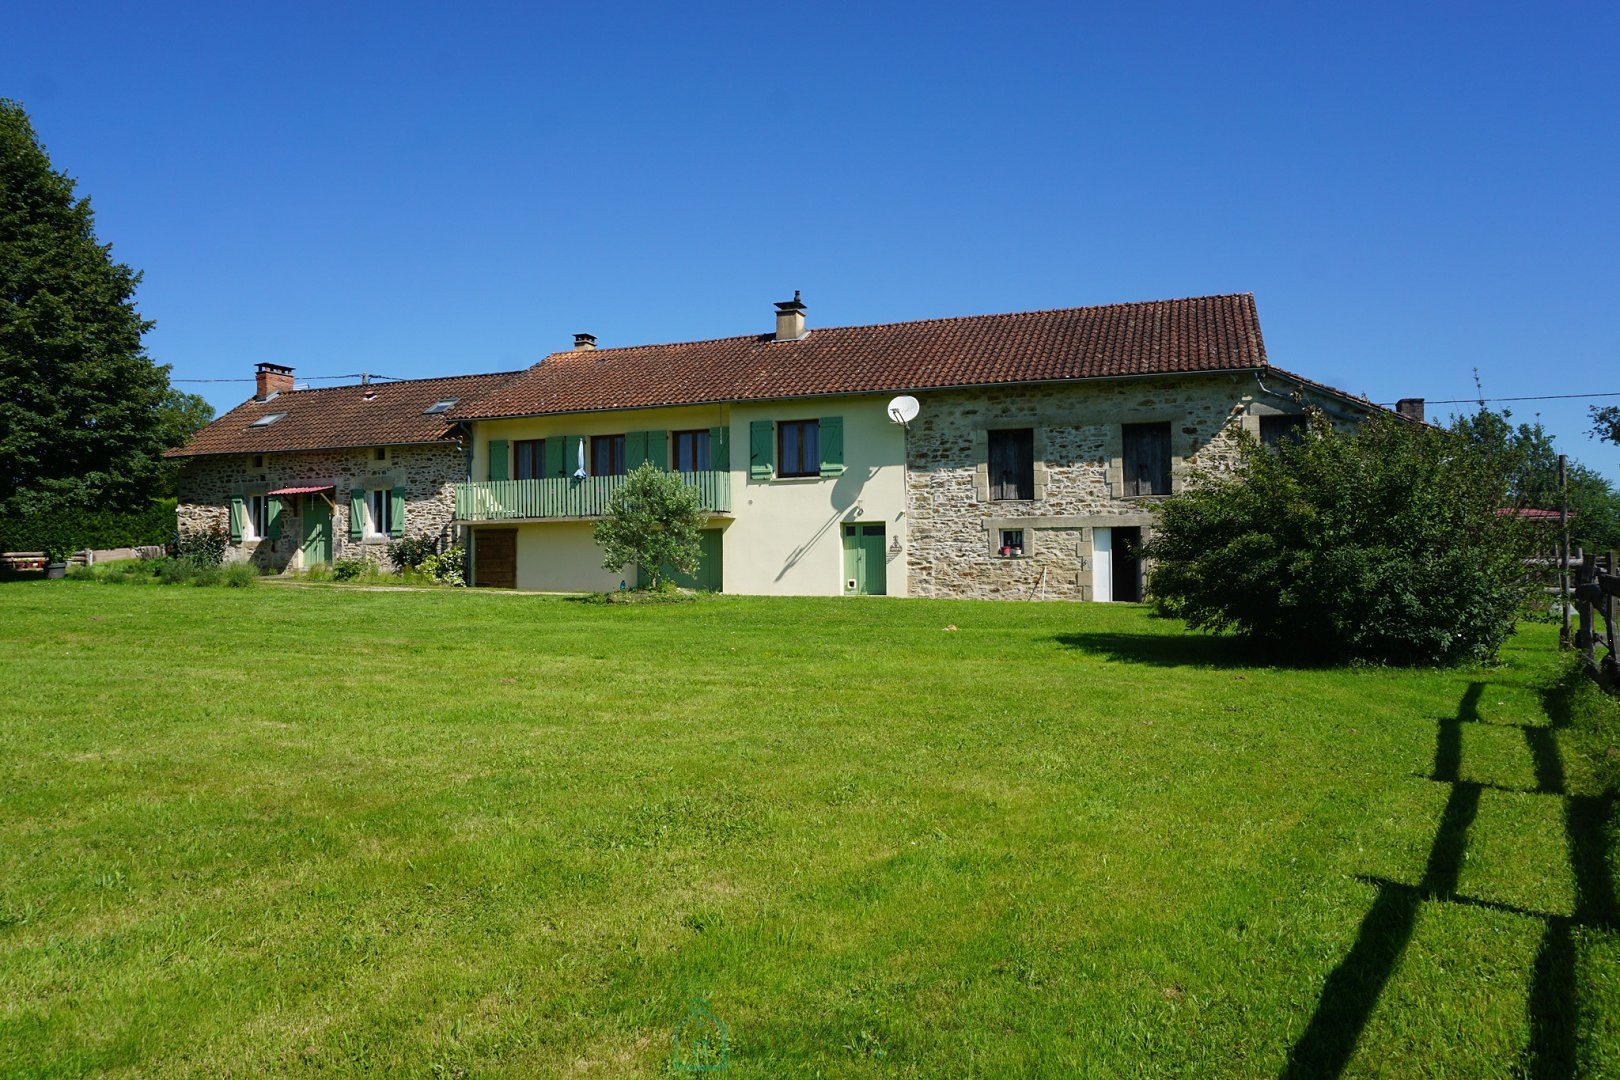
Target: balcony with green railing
pixel 556 497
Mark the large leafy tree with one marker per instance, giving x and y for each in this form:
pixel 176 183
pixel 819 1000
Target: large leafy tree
pixel 1386 544
pixel 85 414
pixel 1531 460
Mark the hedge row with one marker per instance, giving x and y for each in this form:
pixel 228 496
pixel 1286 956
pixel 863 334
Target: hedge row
pixel 75 529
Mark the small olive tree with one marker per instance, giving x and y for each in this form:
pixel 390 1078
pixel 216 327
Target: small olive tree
pixel 1388 544
pixel 653 520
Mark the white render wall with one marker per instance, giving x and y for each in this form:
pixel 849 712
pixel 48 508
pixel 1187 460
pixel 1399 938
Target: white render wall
pixel 788 537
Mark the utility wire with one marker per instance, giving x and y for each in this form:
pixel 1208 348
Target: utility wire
pixel 1481 401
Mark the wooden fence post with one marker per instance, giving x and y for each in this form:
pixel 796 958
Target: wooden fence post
pixel 1585 575
pixel 1612 662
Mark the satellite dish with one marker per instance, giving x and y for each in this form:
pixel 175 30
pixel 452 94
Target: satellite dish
pixel 903 409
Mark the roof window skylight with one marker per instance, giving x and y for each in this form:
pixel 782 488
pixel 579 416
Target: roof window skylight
pixel 443 405
pixel 267 419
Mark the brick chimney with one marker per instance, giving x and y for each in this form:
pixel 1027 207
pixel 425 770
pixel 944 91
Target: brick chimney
pixel 271 379
pixel 1411 408
pixel 584 342
pixel 790 319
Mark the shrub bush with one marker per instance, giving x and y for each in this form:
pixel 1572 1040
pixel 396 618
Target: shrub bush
pixel 240 575
pixel 447 569
pixel 408 553
pixel 349 569
pixel 1385 545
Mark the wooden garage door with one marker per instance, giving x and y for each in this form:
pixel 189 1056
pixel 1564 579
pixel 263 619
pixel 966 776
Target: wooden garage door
pixel 495 558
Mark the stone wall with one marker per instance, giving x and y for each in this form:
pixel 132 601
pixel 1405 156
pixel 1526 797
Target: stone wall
pixel 954 527
pixel 427 473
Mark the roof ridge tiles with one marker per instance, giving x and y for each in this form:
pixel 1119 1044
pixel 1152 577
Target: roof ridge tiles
pixel 766 337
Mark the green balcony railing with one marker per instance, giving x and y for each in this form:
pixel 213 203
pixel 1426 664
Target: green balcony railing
pixel 565 497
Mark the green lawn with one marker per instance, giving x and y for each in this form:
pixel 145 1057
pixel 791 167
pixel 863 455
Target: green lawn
pixel 287 831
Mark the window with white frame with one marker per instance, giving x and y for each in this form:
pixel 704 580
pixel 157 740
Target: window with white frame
pixel 380 511
pixel 257 525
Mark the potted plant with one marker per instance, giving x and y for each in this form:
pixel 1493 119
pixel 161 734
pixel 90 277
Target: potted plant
pixel 56 558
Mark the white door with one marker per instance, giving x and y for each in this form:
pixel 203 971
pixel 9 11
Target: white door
pixel 1102 564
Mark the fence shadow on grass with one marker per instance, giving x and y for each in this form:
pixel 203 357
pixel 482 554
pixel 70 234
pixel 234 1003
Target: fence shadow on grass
pixel 1352 990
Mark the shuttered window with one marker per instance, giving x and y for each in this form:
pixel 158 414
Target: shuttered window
pixel 1276 429
pixel 798 446
pixel 258 518
pixel 1147 459
pixel 528 459
pixel 497 459
pixel 381 507
pixel 607 455
pixel 1012 464
pixel 691 451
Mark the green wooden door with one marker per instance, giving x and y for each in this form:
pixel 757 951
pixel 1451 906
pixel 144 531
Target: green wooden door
pixel 317 530
pixel 865 572
pixel 710 564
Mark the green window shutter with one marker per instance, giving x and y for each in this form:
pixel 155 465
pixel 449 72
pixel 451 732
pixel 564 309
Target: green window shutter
pixel 272 513
pixel 761 449
pixel 238 515
pixel 720 449
pixel 357 512
pixel 832 445
pixel 497 459
pixel 635 449
pixel 554 458
pixel 571 445
pixel 396 526
pixel 658 448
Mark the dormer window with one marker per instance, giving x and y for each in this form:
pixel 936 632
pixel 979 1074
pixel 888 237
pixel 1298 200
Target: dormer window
pixel 267 419
pixel 444 405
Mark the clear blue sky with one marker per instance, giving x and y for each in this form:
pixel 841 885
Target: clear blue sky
pixel 1411 191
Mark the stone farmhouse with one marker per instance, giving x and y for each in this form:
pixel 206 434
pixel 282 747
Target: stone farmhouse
pixel 1040 442
pixel 299 477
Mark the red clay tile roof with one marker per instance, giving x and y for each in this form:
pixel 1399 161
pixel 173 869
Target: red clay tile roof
pixel 1161 337
pixel 335 417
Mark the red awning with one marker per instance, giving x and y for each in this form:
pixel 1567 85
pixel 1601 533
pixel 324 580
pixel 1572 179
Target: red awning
pixel 301 490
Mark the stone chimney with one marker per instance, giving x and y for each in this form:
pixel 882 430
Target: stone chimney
pixel 271 379
pixel 1411 408
pixel 584 342
pixel 790 319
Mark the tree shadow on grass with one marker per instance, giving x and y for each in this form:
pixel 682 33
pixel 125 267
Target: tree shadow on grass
pixel 1182 650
